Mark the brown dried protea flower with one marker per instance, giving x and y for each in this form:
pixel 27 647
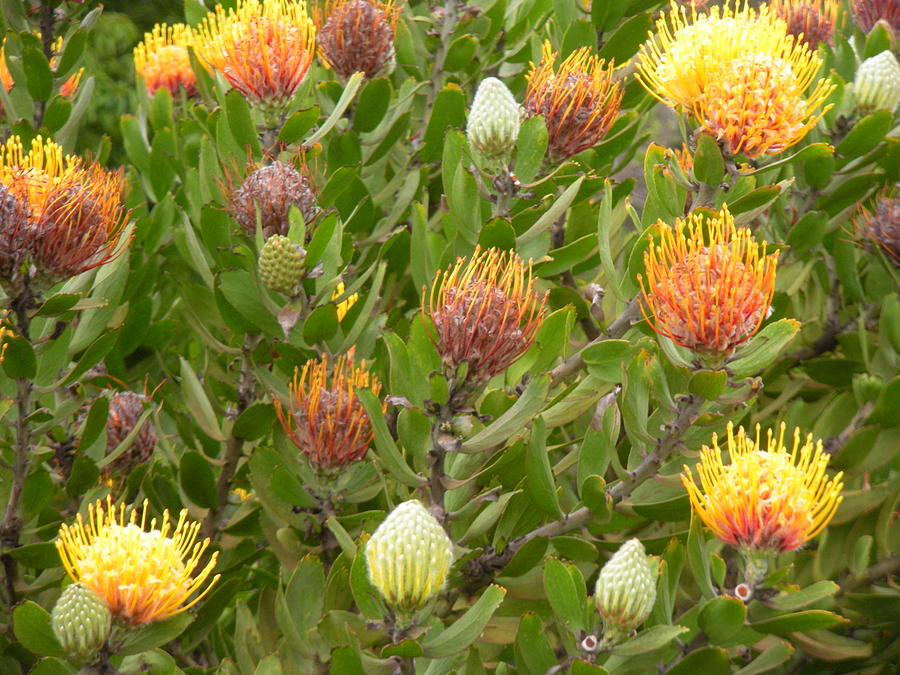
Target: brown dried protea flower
pixel 579 102
pixel 358 36
pixel 81 224
pixel 870 12
pixel 324 418
pixel 883 226
pixel 815 20
pixel 15 228
pixel 268 192
pixel 485 311
pixel 708 285
pixel 125 409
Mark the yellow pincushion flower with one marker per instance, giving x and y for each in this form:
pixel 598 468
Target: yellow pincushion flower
pixel 263 48
pixel 38 171
pixel 708 285
pixel 163 60
pixel 142 575
pixel 767 499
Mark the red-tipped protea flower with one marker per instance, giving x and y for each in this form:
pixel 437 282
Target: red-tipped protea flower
pixel 767 498
pixel 163 60
pixel 756 105
pixel 708 285
pixel 324 418
pixel 579 101
pixel 883 225
pixel 263 48
pixel 142 575
pixel 357 36
pixel 814 20
pixel 267 194
pixel 486 312
pixel 125 409
pixel 870 12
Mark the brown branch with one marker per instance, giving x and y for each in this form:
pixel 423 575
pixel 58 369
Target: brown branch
pixel 881 569
pixel 835 444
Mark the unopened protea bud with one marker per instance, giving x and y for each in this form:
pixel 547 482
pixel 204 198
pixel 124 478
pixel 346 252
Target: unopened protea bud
pixel 125 409
pixel 409 557
pixel 281 264
pixel 877 85
pixel 626 590
pixel 81 621
pixel 493 125
pixel 269 192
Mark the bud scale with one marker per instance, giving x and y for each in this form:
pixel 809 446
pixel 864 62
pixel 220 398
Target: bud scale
pixel 280 264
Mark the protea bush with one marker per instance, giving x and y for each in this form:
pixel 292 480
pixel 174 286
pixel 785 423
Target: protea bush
pixel 392 337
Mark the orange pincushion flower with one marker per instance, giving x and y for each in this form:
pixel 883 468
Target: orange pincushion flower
pixel 486 312
pixel 756 105
pixel 766 499
pixel 707 292
pixel 324 418
pixel 358 36
pixel 163 60
pixel 883 226
pixel 579 102
pixel 263 48
pixel 142 575
pixel 815 20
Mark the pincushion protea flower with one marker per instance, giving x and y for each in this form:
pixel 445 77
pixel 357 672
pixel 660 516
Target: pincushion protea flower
pixel 579 101
pixel 870 12
pixel 485 311
pixel 142 575
pixel 268 192
pixel 883 226
pixel 324 418
pixel 125 409
pixel 263 48
pixel 707 292
pixel 756 106
pixel 163 61
pixel 812 21
pixel 358 36
pixel 767 499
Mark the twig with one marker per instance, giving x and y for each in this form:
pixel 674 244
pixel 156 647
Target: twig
pixel 881 569
pixel 836 443
pixel 448 25
pixel 616 330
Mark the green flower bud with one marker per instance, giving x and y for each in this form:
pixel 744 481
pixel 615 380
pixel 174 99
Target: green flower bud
pixel 877 85
pixel 626 590
pixel 408 557
pixel 81 621
pixel 493 125
pixel 281 264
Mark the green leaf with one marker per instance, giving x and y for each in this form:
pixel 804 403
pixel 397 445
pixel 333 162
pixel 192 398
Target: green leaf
pixel 772 657
pixel 709 167
pixel 304 594
pixel 791 600
pixel 255 422
pixel 532 647
pixel 624 42
pixel 706 660
pixel 866 134
pixel 530 148
pixel 538 474
pixel 197 480
pixel 38 76
pixel 83 476
pixel 811 619
pixel 41 556
pixel 566 597
pixel 551 215
pixel 31 625
pixel 365 595
pixel 153 635
pixel 649 640
pixel 828 646
pixel 19 361
pixel 298 125
pixel 406 648
pixel 698 558
pixel 346 661
pixel 343 103
pixel 808 231
pixel 763 348
pixel 514 419
pixel 594 496
pixel 708 383
pixel 240 121
pixel 721 618
pixel 580 667
pixel 606 359
pixel 58 304
pixel 466 629
pixel 71 53
pixel 460 53
pixel 388 452
pixel 887 406
pixel 374 101
pixel 321 324
pixel 755 200
pixel 197 403
pixel 449 110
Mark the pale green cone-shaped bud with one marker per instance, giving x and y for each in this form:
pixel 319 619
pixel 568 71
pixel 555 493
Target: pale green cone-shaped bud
pixel 281 264
pixel 877 85
pixel 493 124
pixel 626 590
pixel 81 621
pixel 408 557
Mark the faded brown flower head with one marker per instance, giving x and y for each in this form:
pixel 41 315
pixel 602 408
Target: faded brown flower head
pixel 15 228
pixel 815 20
pixel 870 12
pixel 125 409
pixel 269 192
pixel 358 36
pixel 579 101
pixel 485 311
pixel 324 418
pixel 883 225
